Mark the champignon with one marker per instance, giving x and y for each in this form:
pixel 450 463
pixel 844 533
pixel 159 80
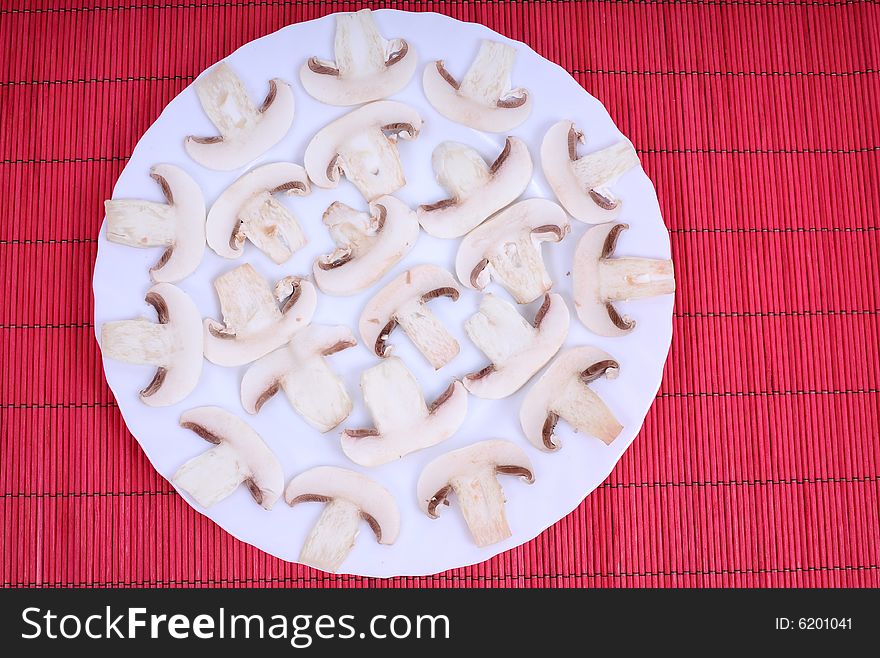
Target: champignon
pixel 563 392
pixel 247 210
pixel 178 224
pixel 239 456
pixel 348 498
pixel 404 423
pixel 471 473
pixel 582 184
pixel 173 346
pixel 516 349
pixel 508 247
pixel 362 145
pixel 246 131
pixel 477 190
pixel 483 99
pixel 599 280
pixel 253 325
pixel 367 244
pixel 313 389
pixel 404 303
pixel 367 67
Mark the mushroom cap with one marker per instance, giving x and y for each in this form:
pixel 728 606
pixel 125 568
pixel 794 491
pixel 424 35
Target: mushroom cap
pixel 517 349
pixel 404 423
pixel 477 190
pixel 223 218
pixel 469 102
pixel 540 219
pixel 177 352
pixel 571 186
pixel 552 388
pixel 416 283
pixel 246 132
pixel 391 242
pixel 218 426
pixel 321 153
pixel 470 461
pixel 324 483
pixel 353 80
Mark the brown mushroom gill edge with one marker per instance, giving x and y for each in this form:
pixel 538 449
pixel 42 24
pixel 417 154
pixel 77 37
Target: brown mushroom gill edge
pixel 587 376
pixel 607 250
pixel 442 496
pixel 157 302
pixel 381 347
pixel 166 255
pixel 316 498
pixel 436 404
pixel 202 432
pixel 446 75
pixel 605 203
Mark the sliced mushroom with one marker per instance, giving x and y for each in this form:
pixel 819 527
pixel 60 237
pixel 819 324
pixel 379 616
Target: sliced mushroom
pixel 471 473
pixel 349 498
pixel 239 456
pixel 483 99
pixel 246 131
pixel 173 346
pixel 516 349
pixel 582 184
pixel 404 423
pixel 477 189
pixel 367 67
pixel 404 303
pixel 563 392
pixel 253 325
pixel 362 145
pixel 367 245
pixel 508 247
pixel 313 389
pixel 178 224
pixel 599 280
pixel 247 210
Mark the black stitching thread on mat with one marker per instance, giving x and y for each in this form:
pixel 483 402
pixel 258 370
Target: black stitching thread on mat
pixel 50 241
pixel 788 229
pixel 450 577
pixel 430 4
pixel 647 151
pixel 686 394
pixel 733 74
pixel 696 314
pixel 604 485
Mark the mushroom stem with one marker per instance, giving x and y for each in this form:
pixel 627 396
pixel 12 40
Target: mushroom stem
pixel 139 342
pixel 140 223
pixel 586 412
pixel 488 78
pixel 481 499
pixel 333 536
pixel 427 333
pixel 520 269
pixel 370 161
pixel 212 476
pixel 602 167
pixel 635 278
pixel 262 220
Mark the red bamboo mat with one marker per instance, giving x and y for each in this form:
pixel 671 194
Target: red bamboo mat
pixel 759 462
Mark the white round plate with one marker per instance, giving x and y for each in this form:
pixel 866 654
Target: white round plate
pixel 425 546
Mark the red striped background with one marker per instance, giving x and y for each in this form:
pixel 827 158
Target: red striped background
pixel 759 464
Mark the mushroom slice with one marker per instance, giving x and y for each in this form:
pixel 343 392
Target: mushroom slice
pixel 483 99
pixel 367 244
pixel 472 474
pixel 246 131
pixel 367 67
pixel 173 346
pixel 563 392
pixel 253 325
pixel 477 190
pixel 404 423
pixel 508 247
pixel 314 390
pixel 178 224
pixel 582 183
pixel 349 498
pixel 404 302
pixel 516 348
pixel 247 210
pixel 239 456
pixel 362 145
pixel 599 280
